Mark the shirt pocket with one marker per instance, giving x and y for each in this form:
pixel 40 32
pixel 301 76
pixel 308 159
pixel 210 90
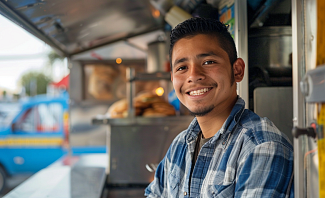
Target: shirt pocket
pixel 220 191
pixel 173 185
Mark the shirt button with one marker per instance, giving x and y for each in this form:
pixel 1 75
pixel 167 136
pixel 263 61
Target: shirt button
pixel 185 193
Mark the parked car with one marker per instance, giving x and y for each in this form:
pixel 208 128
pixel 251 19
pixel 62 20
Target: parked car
pixel 33 134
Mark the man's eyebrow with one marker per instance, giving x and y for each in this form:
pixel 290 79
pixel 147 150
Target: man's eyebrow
pixel 180 60
pixel 197 56
pixel 206 54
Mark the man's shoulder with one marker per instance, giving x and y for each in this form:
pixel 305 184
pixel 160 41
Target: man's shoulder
pixel 180 138
pixel 186 133
pixel 261 129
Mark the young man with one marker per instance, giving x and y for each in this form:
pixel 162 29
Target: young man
pixel 227 151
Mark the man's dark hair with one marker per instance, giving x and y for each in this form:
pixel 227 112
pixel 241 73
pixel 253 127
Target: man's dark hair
pixel 213 27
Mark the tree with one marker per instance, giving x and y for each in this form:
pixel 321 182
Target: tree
pixel 54 66
pixel 35 82
pixel 53 56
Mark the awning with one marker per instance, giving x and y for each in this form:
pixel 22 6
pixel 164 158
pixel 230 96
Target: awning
pixel 63 83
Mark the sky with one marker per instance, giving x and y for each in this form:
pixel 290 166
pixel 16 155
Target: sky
pixel 21 52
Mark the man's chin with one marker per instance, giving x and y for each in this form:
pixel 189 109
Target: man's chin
pixel 201 111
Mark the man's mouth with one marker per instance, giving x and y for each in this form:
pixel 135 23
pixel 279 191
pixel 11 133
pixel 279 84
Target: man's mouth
pixel 199 92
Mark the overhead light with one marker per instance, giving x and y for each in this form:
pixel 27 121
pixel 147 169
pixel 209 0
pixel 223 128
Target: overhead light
pixel 156 13
pixel 160 91
pixel 118 60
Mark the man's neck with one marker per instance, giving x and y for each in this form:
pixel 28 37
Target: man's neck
pixel 211 123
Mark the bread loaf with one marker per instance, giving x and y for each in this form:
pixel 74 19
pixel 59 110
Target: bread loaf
pixel 146 104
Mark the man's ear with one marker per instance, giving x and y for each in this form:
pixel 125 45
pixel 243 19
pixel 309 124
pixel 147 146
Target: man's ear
pixel 239 69
pixel 171 76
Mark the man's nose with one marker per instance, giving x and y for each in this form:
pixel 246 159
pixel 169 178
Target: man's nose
pixel 195 74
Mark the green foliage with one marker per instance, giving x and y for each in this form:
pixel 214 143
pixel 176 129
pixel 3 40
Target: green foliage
pixel 53 56
pixel 35 81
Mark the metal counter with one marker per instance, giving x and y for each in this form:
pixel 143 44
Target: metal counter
pixel 69 177
pixel 178 120
pixel 136 145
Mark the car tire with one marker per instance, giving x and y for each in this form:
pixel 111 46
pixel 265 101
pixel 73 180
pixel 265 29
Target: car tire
pixel 3 180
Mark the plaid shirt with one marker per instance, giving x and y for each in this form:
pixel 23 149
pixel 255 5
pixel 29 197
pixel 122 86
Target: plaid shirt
pixel 247 157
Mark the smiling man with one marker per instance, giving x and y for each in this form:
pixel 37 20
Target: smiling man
pixel 227 151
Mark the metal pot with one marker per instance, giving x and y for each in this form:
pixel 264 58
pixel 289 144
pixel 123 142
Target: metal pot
pixel 270 48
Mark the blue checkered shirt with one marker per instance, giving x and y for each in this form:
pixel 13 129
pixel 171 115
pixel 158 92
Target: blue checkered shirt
pixel 247 157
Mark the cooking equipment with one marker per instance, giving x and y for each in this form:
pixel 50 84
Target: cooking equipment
pixel 270 48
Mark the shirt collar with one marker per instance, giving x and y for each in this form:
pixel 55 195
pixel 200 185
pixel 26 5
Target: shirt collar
pixel 235 115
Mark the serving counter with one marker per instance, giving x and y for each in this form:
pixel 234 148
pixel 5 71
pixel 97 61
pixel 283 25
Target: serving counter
pixel 136 145
pixel 69 177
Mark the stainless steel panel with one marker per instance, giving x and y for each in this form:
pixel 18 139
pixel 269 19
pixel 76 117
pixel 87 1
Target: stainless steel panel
pixel 311 170
pixel 120 49
pixel 157 56
pixel 81 180
pixel 123 192
pixel 8 12
pixel 74 26
pixel 270 48
pixel 140 141
pixel 276 104
pixel 139 120
pixel 241 41
pixel 298 70
pixel 39 185
pixel 86 182
pixel 310 44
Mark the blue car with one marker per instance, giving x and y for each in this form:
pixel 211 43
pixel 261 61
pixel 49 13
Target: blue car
pixel 33 134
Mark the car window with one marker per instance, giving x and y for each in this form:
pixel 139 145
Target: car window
pixel 43 118
pixel 8 112
pixel 27 121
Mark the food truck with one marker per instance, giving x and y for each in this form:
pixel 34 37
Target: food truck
pixel 118 53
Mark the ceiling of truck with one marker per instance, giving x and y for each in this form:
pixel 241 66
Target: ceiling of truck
pixel 75 28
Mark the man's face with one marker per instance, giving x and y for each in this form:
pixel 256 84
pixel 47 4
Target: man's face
pixel 202 74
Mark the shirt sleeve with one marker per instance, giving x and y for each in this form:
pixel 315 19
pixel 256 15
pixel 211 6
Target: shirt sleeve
pixel 267 171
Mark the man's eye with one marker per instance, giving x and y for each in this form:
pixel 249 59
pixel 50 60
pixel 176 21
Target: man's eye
pixel 181 68
pixel 208 62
